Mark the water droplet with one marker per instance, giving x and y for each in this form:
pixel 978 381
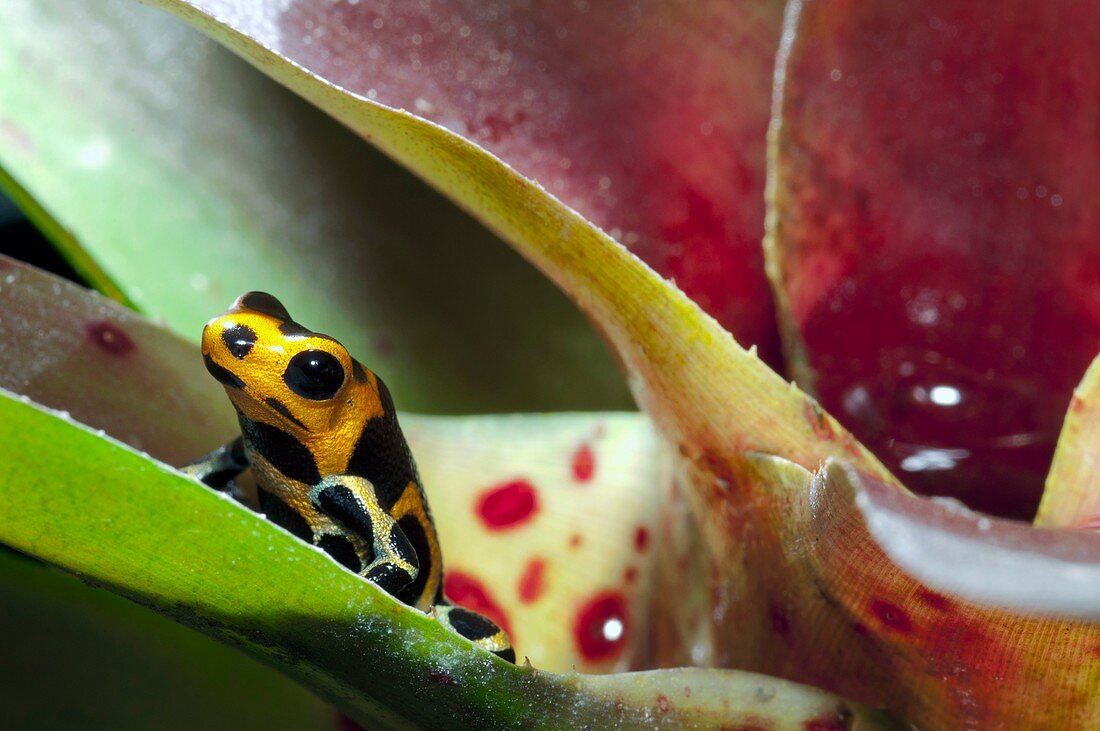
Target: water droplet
pixel 945 396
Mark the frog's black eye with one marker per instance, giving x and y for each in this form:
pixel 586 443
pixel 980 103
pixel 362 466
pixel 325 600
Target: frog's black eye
pixel 314 374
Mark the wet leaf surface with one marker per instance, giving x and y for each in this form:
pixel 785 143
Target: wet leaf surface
pixel 936 233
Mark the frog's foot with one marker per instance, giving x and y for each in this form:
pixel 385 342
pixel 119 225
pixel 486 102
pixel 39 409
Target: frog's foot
pixel 350 501
pixel 219 468
pixel 477 629
pixel 391 575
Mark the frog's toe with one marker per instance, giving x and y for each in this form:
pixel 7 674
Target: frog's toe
pixel 388 576
pixel 477 629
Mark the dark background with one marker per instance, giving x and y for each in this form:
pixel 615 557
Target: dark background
pixel 21 240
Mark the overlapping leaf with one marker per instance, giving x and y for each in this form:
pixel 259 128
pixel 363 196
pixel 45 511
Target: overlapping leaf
pixel 176 177
pixel 972 642
pixel 765 597
pixel 520 500
pixel 137 527
pixel 594 101
pixel 717 406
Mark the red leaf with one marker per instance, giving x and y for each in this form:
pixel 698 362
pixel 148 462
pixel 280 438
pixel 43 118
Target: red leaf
pixel 650 121
pixel 938 171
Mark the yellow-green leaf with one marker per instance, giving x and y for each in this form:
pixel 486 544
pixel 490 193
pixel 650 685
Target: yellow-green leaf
pixel 1071 497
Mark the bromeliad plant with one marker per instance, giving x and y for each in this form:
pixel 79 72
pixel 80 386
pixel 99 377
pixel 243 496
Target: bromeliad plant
pixel 930 251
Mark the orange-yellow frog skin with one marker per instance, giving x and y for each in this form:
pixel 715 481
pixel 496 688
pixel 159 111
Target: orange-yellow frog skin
pixel 320 434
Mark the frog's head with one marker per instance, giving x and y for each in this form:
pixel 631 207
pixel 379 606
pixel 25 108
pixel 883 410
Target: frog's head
pixel 280 373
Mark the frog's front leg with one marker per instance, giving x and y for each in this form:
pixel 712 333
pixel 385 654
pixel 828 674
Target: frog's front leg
pixel 219 468
pixel 351 501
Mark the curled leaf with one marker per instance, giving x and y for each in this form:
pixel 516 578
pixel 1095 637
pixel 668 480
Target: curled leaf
pixel 646 119
pixel 1007 564
pixel 909 574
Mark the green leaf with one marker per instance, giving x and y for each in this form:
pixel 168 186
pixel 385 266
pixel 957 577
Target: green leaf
pixel 80 657
pixel 143 530
pixel 176 177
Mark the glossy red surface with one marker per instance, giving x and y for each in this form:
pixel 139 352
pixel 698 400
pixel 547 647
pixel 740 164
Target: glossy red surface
pixel 601 627
pixel 939 232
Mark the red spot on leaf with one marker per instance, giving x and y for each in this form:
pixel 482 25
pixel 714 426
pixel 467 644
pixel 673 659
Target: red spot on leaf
pixel 860 629
pixel 531 582
pixel 630 574
pixel 891 615
pixel 110 337
pixel 601 626
pixel 575 540
pixel 641 538
pixel 466 591
pixel 584 463
pixel 664 705
pixel 508 505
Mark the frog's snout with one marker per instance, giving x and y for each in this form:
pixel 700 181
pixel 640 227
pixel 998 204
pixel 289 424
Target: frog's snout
pixel 212 334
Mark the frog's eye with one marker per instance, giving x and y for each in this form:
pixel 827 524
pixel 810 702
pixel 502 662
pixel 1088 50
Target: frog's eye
pixel 314 374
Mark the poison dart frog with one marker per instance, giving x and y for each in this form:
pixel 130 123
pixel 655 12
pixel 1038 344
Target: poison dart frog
pixel 330 463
